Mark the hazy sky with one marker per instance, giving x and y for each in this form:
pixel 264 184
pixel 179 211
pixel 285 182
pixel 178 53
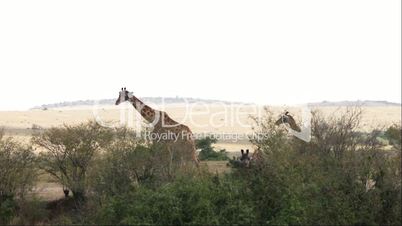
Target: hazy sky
pixel 267 52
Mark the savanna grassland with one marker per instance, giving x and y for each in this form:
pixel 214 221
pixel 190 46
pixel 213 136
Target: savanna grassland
pixel 201 118
pixel 349 173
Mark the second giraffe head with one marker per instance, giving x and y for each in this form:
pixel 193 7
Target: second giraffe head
pixel 124 95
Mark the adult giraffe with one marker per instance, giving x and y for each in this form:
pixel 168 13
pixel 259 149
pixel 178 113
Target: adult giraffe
pixel 175 137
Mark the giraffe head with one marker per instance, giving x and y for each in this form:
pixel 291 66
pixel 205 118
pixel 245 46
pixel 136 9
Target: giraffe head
pixel 287 118
pixel 245 159
pixel 124 95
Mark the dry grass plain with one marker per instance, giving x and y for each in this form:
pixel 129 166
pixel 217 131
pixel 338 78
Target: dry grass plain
pixel 202 119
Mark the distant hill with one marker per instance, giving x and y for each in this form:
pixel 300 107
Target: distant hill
pixel 366 103
pixel 148 100
pixel 182 100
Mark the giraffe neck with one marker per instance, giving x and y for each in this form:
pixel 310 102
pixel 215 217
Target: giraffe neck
pixel 294 126
pixel 146 111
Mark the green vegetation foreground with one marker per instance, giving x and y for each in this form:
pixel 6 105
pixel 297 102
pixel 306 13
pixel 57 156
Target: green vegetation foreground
pixel 341 177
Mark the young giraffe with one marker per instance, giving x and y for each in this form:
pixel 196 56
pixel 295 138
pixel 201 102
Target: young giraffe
pixel 257 156
pixel 287 118
pixel 182 149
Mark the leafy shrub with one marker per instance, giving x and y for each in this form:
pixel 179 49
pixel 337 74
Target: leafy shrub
pixel 30 212
pixel 17 175
pixel 325 181
pixel 187 200
pixel 123 167
pixel 394 135
pixel 208 152
pixel 7 209
pixel 70 152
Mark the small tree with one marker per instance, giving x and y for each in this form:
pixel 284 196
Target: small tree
pixel 69 153
pixel 394 135
pixel 208 152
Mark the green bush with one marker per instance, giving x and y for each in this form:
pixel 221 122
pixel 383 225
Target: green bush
pixel 123 167
pixel 188 200
pixel 31 212
pixel 325 181
pixel 8 208
pixel 17 175
pixel 70 152
pixel 208 152
pixel 394 135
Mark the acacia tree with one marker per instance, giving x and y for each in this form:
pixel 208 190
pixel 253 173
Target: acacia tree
pixel 69 151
